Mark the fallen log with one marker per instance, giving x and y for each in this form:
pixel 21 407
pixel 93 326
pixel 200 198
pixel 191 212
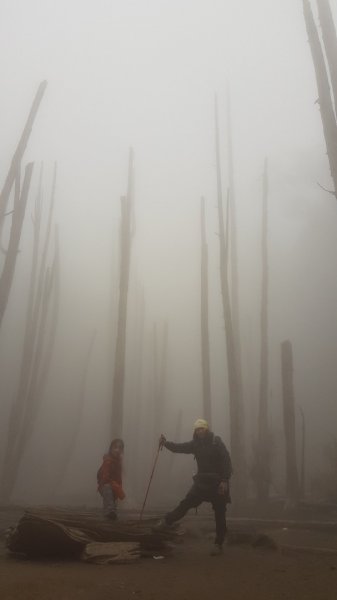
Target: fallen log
pixel 61 533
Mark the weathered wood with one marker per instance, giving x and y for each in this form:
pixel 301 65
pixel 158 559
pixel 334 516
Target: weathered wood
pixel 303 449
pixel 292 484
pixel 324 95
pixel 37 348
pixel 330 42
pixel 107 553
pixel 205 359
pixel 75 421
pixel 20 203
pixel 235 389
pixel 263 445
pixel 19 152
pixel 233 254
pixel 39 537
pixel 52 532
pixel 125 258
pixel 160 344
pixel 177 436
pixel 54 310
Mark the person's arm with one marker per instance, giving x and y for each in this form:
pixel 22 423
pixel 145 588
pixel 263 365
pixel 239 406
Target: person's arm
pixel 183 448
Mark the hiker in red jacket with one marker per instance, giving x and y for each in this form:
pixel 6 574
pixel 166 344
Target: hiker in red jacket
pixel 109 479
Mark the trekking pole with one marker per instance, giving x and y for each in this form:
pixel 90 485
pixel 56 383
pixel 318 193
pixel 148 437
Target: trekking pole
pixel 160 447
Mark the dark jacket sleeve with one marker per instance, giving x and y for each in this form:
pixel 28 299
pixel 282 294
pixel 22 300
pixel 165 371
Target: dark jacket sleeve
pixel 225 459
pixel 184 448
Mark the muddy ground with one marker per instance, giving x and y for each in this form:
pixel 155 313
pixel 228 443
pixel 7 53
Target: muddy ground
pixel 302 566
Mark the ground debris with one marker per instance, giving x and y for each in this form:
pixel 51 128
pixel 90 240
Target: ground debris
pixel 107 553
pixel 255 539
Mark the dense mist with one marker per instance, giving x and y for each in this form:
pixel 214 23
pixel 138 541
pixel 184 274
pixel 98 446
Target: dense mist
pixel 143 75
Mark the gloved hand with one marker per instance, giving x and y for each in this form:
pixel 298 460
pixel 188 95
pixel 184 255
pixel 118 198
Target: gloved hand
pixel 162 440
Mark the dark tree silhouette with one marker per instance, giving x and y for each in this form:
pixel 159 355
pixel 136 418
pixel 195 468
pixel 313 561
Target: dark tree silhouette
pixel 205 360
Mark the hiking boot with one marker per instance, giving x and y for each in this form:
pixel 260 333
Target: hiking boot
pixel 216 550
pixel 112 515
pixel 162 525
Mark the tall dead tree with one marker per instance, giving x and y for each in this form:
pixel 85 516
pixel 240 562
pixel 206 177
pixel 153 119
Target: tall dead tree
pixel 205 359
pixel 303 442
pixel 330 42
pixel 233 254
pixel 235 389
pixel 74 419
pixel 33 313
pixel 136 441
pixel 19 152
pixel 263 446
pixel 20 203
pixel 324 94
pixel 125 256
pixel 50 336
pixel 45 339
pixel 160 372
pixel 177 436
pixel 38 344
pixel 21 429
pixel 292 483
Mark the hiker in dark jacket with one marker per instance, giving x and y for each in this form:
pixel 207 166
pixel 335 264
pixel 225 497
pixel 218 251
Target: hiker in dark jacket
pixel 211 483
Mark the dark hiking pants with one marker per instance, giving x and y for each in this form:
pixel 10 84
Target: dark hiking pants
pixel 194 497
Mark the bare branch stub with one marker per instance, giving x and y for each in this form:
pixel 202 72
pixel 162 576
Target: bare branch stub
pixel 325 189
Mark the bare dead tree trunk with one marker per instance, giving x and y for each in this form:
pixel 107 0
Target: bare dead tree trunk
pixel 292 485
pixel 136 442
pixel 235 390
pixel 20 204
pixel 76 419
pixel 177 437
pixel 263 446
pixel 44 256
pixel 330 42
pixel 17 157
pixel 17 408
pixel 156 394
pixel 324 95
pixel 32 396
pixel 119 369
pixel 32 319
pixel 53 321
pixel 33 400
pixel 37 351
pixel 160 370
pixel 234 249
pixel 302 473
pixel 36 218
pixel 163 364
pixel 205 359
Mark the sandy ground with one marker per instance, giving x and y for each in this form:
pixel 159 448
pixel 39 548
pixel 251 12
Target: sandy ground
pixel 241 573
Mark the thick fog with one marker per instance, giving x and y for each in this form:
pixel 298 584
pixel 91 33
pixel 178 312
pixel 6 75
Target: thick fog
pixel 143 74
